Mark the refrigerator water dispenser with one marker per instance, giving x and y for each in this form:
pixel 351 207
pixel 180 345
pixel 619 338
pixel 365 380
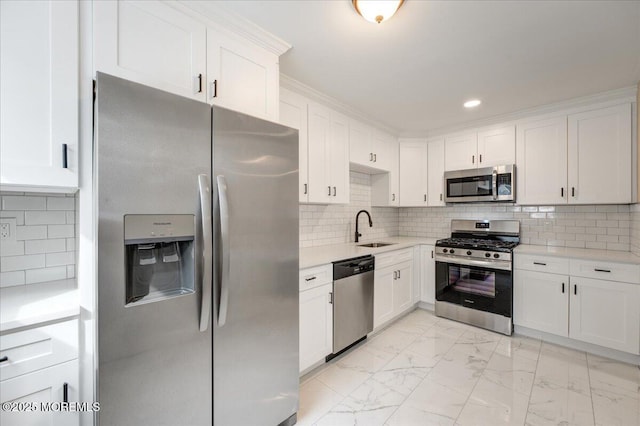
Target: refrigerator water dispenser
pixel 159 251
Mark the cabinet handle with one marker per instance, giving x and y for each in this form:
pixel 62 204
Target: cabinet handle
pixel 395 275
pixel 425 198
pixel 310 279
pixel 432 254
pixel 393 197
pixel 481 158
pixel 540 263
pixel 562 288
pixel 331 298
pixel 214 89
pixel 398 273
pixel 65 162
pixel 440 197
pixel 329 191
pixel 4 359
pixel 562 192
pixel 575 289
pixel 65 392
pixel 334 191
pixel 199 83
pixel 371 156
pixel 305 189
pixel 375 158
pixel 602 270
pixel 573 191
pixel 473 159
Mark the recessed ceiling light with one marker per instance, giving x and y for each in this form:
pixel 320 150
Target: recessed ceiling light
pixel 472 103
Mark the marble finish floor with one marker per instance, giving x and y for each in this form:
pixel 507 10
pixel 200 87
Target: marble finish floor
pixel 425 370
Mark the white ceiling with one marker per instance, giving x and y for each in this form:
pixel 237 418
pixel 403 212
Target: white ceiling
pixel 413 72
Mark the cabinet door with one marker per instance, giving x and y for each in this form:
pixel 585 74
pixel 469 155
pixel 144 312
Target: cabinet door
pixel 42 386
pixel 497 146
pixel 242 76
pixel 605 313
pixel 360 152
pixel 394 174
pixel 600 156
pixel 316 325
pixel 338 160
pixel 381 146
pixel 39 93
pixel 428 274
pixel 460 152
pixel 293 113
pixel 541 164
pixel 385 187
pixel 541 301
pixel 151 43
pixel 403 288
pixel 413 173
pixel 383 294
pixel 415 278
pixel 319 127
pixel 435 172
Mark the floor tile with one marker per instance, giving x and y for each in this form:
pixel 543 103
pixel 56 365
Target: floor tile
pixel 492 405
pixel 613 408
pixel 515 373
pixel 518 346
pixel 316 399
pixel 552 405
pixel 437 399
pixel 407 415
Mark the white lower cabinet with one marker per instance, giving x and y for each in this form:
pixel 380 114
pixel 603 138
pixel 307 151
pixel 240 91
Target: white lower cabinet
pixel 39 367
pixel 393 285
pixel 427 274
pixel 593 310
pixel 316 315
pixel 605 313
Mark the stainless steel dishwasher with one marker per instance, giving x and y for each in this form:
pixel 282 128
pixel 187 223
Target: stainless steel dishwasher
pixel 352 302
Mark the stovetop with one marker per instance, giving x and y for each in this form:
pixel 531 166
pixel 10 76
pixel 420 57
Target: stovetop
pixel 478 244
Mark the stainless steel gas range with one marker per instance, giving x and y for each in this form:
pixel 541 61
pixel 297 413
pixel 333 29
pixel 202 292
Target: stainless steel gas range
pixel 474 281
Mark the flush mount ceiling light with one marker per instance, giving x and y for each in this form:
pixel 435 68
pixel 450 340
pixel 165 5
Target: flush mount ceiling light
pixel 377 11
pixel 472 103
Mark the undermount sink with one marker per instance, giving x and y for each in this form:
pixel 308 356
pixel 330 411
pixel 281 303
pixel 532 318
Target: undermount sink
pixel 375 245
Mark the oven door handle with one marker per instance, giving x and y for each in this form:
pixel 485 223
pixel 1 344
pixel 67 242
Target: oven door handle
pixel 489 264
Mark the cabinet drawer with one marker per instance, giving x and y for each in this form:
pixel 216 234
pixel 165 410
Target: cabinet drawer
pixel 384 260
pixel 38 348
pixel 552 265
pixel 316 276
pixel 623 272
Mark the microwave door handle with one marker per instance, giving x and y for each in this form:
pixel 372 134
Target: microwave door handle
pixel 224 250
pixel 207 240
pixel 494 179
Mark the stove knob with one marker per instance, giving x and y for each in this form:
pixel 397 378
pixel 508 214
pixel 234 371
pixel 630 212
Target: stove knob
pixel 468 252
pixel 452 251
pixel 445 250
pixel 487 255
pixel 496 255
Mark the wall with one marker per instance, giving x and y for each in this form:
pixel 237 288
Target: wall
pixel 335 224
pixel 598 227
pixel 43 247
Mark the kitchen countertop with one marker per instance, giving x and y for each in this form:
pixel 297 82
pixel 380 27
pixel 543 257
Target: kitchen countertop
pixel 579 253
pixel 31 304
pixel 314 256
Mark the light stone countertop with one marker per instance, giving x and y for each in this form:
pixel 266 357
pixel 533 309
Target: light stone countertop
pixel 321 255
pixel 32 304
pixel 579 253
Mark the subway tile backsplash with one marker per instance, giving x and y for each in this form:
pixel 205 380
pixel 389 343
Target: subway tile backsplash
pixel 42 246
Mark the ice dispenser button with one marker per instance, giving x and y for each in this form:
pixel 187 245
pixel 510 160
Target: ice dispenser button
pixel 170 252
pixel 145 254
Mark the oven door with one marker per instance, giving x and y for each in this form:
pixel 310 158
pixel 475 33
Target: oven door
pixel 475 287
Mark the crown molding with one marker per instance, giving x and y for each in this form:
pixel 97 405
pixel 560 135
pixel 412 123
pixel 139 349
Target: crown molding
pixel 570 106
pixel 223 18
pixel 315 95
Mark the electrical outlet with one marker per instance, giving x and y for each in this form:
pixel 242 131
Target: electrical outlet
pixel 7 229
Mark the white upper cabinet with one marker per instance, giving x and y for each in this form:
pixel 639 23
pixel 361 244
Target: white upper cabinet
pixel 328 156
pixel 541 166
pixel 600 156
pixel 413 173
pixel 461 151
pixel 382 146
pixel 497 146
pixel 488 147
pixel 241 76
pixel 293 113
pixel 435 170
pixel 385 187
pixel 370 150
pixel 151 43
pixel 39 95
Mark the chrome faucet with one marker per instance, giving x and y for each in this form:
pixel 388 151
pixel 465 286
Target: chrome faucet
pixel 358 235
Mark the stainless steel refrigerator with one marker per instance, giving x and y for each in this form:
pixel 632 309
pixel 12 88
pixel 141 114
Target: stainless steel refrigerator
pixel 197 262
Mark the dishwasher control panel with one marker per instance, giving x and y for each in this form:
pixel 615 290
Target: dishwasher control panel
pixel 354 266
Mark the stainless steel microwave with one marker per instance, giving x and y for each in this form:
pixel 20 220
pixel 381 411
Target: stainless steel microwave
pixel 486 184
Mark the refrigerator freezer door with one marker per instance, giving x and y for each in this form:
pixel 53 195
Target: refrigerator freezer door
pixel 256 347
pixel 154 363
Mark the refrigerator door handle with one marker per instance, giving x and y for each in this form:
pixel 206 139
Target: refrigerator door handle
pixel 224 249
pixel 207 261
